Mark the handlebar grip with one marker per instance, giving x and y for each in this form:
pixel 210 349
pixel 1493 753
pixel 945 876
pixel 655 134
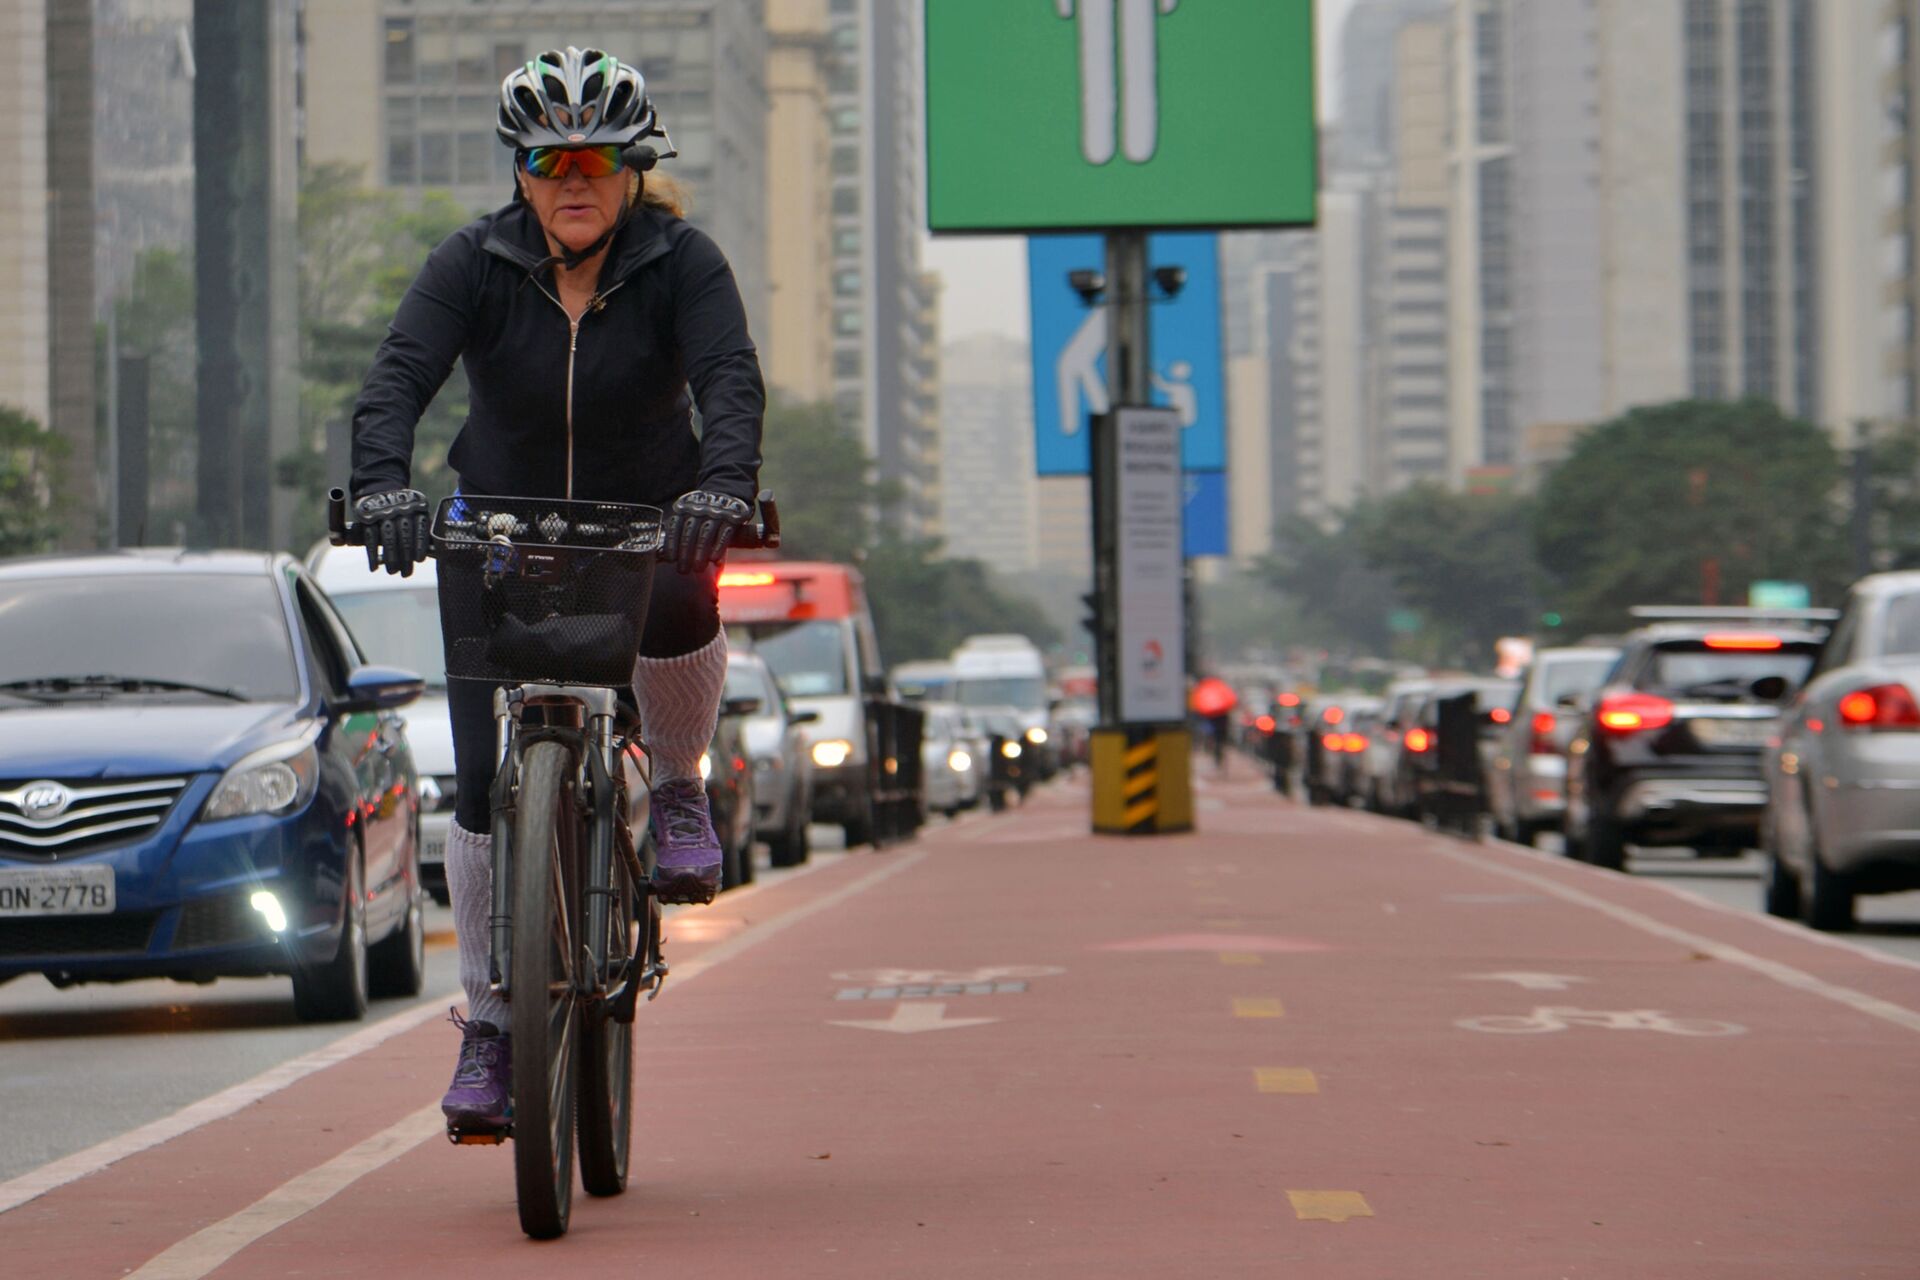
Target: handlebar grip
pixel 769 521
pixel 337 531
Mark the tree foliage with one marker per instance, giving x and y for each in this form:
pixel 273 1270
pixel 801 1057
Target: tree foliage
pixel 1689 503
pixel 29 456
pixel 924 605
pixel 359 251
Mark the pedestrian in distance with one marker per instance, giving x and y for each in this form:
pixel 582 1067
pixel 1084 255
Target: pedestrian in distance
pixel 591 318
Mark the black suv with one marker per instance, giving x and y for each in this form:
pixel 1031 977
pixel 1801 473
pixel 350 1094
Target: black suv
pixel 1669 751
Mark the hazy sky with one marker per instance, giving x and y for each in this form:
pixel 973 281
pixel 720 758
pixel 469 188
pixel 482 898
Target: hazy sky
pixel 985 277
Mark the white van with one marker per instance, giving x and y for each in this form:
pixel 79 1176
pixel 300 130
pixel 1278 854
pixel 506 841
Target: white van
pixel 1008 671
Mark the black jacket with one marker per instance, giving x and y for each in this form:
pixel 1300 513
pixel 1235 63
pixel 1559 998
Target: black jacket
pixel 667 319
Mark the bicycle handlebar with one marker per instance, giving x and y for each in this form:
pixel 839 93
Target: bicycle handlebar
pixel 762 533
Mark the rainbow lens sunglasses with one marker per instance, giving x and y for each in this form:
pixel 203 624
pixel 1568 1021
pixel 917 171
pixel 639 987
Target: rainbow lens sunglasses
pixel 557 162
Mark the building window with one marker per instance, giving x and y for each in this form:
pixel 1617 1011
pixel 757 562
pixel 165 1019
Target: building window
pixel 477 154
pixel 846 161
pixel 507 59
pixel 436 159
pixel 400 166
pixel 846 241
pixel 399 50
pixel 846 364
pixel 846 200
pixel 846 283
pixel 846 320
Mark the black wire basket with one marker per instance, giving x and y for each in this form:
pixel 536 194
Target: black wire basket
pixel 543 590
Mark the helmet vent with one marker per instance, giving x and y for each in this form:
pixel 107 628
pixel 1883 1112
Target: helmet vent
pixel 595 84
pixel 556 90
pixel 529 104
pixel 622 95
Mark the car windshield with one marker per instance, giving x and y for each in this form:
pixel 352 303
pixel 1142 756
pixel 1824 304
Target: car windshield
pixel 1724 672
pixel 809 659
pixel 1560 677
pixel 745 681
pixel 223 631
pixel 923 688
pixel 1900 629
pixel 399 628
pixel 1025 692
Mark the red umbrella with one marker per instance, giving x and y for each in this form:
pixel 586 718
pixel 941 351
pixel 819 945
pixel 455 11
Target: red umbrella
pixel 1213 697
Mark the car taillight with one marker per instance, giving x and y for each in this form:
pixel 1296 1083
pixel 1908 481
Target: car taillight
pixel 1418 740
pixel 1333 715
pixel 1883 706
pixel 1500 715
pixel 1632 712
pixel 1544 723
pixel 1333 742
pixel 1743 642
pixel 1264 724
pixel 1353 742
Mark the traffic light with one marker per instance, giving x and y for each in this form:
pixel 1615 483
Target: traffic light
pixel 1091 621
pixel 1551 618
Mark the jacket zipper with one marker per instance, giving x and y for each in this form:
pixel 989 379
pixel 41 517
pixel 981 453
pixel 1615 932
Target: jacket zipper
pixel 594 303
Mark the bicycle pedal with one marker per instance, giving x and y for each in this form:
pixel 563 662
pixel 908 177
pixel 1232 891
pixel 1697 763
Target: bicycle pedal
pixel 478 1137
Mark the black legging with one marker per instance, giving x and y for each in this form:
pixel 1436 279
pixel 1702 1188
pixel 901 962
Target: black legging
pixel 683 614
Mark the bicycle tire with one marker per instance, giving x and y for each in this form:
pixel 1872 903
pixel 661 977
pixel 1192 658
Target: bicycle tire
pixel 603 1109
pixel 545 1010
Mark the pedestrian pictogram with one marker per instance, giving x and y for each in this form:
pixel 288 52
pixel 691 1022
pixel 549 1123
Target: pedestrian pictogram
pixel 1135 100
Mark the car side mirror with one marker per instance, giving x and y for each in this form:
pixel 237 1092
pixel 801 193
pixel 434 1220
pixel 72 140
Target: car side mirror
pixel 1570 701
pixel 375 688
pixel 1770 688
pixel 803 717
pixel 740 707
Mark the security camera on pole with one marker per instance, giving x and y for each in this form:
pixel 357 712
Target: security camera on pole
pixel 1125 117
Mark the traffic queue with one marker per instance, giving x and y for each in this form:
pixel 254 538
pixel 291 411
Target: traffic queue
pixel 1792 732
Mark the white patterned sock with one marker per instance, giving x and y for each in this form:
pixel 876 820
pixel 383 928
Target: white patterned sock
pixel 679 700
pixel 470 884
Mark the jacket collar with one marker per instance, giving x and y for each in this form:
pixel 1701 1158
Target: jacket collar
pixel 516 237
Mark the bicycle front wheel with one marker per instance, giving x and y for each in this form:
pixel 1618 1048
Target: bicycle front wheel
pixel 606 1049
pixel 547 929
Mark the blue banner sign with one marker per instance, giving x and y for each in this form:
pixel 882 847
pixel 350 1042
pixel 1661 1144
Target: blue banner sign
pixel 1070 349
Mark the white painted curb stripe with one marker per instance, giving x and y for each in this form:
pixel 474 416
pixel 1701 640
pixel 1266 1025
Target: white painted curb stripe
pixel 211 1246
pixel 1785 974
pixel 37 1182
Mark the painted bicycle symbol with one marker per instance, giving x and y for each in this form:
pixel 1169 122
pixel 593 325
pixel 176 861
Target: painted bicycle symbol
pixel 1549 1017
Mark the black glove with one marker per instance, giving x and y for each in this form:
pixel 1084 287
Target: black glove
pixel 396 526
pixel 701 526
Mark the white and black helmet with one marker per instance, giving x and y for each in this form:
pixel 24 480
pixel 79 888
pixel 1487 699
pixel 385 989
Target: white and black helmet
pixel 575 98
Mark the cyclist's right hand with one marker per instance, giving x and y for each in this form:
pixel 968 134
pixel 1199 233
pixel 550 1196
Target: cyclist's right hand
pixel 395 522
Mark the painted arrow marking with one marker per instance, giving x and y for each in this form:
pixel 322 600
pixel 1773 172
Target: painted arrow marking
pixel 1529 981
pixel 918 1015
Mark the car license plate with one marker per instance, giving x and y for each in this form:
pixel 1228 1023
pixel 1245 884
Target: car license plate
pixel 1733 733
pixel 56 891
pixel 433 849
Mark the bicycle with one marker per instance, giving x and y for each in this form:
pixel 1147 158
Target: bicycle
pixel 546 598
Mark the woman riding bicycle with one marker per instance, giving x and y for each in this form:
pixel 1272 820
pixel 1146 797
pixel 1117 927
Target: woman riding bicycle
pixel 591 318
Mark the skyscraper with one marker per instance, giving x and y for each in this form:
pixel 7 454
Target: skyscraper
pixel 884 345
pixel 990 506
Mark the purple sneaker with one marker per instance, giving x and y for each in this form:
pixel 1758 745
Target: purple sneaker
pixel 688 869
pixel 481 1096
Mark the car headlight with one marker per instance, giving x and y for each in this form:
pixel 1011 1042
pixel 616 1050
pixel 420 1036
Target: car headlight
pixel 959 761
pixel 1011 750
pixel 1037 736
pixel 276 779
pixel 706 765
pixel 832 753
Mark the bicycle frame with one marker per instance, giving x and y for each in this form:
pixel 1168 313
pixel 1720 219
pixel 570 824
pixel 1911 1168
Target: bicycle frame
pixel 581 718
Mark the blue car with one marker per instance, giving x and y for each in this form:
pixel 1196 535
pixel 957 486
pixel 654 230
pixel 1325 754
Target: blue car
pixel 201 776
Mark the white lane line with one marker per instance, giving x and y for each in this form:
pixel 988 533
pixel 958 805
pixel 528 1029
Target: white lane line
pixel 211 1246
pixel 1785 974
pixel 1788 927
pixel 37 1182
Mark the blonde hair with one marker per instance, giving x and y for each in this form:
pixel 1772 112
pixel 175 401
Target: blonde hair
pixel 659 192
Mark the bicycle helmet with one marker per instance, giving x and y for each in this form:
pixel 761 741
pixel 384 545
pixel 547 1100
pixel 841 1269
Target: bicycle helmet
pixel 575 98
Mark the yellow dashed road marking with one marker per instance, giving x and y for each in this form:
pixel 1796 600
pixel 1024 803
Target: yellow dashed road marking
pixel 1285 1080
pixel 1239 957
pixel 1329 1206
pixel 1256 1007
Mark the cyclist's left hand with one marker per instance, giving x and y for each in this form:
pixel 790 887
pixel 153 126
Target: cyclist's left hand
pixel 701 526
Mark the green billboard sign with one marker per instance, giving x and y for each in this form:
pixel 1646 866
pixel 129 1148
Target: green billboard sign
pixel 1091 115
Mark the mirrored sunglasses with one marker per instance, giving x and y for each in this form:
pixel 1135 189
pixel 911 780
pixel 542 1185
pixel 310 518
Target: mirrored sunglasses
pixel 557 162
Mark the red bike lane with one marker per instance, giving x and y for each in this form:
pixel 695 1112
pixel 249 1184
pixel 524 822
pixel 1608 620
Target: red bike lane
pixel 1298 1040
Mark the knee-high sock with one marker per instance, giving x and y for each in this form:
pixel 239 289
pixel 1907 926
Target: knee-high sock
pixel 679 701
pixel 470 884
